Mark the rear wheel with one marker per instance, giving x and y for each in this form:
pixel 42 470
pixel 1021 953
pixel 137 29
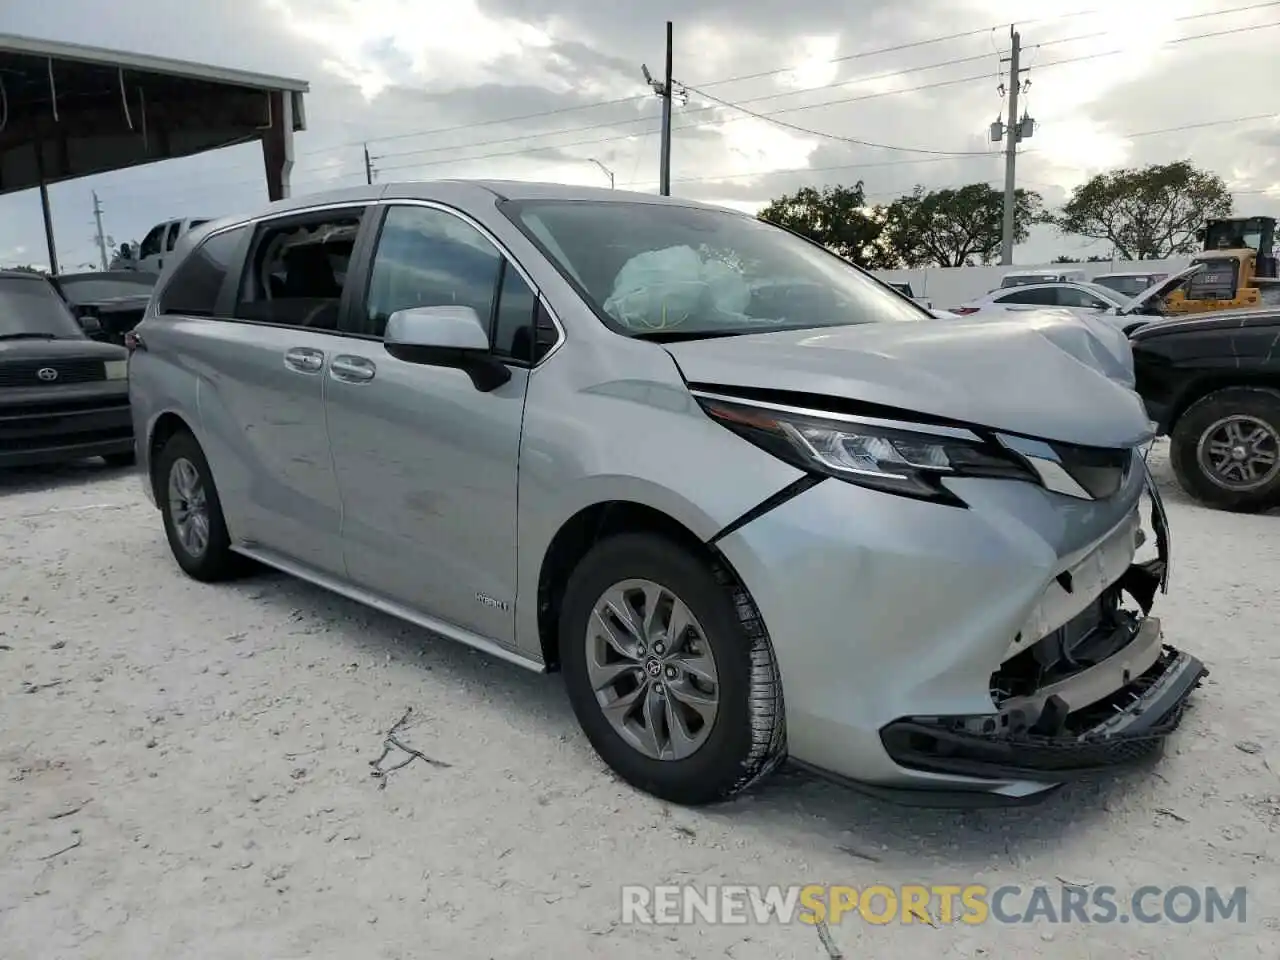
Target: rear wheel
pixel 193 520
pixel 670 671
pixel 1226 449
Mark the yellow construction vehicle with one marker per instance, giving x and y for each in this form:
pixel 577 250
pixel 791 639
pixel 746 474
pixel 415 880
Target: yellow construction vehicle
pixel 1239 268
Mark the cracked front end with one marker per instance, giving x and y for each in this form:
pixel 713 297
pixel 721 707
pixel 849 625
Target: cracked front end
pixel 985 653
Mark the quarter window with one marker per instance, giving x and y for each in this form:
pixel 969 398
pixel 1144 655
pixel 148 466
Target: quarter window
pixel 297 271
pixel 193 290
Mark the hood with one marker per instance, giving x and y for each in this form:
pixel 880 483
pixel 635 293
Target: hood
pixel 1160 289
pixel 1040 375
pixel 1210 320
pixel 65 349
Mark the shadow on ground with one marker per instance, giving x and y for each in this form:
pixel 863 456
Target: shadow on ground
pixel 814 811
pixel 58 476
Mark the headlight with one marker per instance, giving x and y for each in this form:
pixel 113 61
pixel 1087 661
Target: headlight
pixel 903 458
pixel 116 369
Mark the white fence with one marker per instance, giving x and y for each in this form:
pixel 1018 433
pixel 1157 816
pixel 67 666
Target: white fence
pixel 951 286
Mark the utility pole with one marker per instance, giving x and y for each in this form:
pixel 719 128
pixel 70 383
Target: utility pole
pixel 1011 148
pixel 663 90
pixel 368 166
pixel 664 170
pixel 102 240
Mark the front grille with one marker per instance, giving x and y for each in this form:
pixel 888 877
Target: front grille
pixel 1102 471
pixel 26 373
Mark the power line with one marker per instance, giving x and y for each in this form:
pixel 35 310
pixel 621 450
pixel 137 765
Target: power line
pixel 836 136
pixel 791 109
pixel 759 99
pixel 852 56
pixel 964 35
pixel 896 163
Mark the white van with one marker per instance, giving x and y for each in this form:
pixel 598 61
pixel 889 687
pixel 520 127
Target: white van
pixel 159 242
pixel 1020 278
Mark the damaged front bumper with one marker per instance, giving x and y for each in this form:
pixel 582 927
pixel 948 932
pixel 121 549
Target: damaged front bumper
pixel 916 641
pixel 1105 690
pixel 1127 727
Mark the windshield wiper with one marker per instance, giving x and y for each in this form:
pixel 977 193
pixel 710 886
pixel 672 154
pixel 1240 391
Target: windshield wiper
pixel 29 336
pixel 676 336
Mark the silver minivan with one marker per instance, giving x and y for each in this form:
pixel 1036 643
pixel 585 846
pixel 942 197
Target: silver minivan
pixel 750 501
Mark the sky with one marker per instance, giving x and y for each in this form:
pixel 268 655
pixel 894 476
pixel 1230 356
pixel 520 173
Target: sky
pixel 553 90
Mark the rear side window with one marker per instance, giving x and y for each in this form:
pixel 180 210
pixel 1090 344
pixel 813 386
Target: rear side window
pixel 194 287
pixel 1074 297
pixel 298 270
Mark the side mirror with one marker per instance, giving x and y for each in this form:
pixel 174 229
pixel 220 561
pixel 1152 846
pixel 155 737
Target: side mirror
pixel 90 324
pixel 126 251
pixel 446 337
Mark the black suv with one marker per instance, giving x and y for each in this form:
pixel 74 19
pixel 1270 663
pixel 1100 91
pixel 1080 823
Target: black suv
pixel 63 396
pixel 1211 382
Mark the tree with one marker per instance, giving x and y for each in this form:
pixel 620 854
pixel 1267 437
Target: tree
pixel 836 217
pixel 955 227
pixel 1147 214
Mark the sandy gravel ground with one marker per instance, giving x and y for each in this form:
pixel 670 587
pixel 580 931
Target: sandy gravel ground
pixel 206 750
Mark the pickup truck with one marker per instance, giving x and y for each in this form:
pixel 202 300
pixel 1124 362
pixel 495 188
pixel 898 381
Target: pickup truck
pixel 906 291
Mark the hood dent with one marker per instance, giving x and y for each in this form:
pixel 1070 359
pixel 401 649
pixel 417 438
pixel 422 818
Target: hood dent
pixel 1049 376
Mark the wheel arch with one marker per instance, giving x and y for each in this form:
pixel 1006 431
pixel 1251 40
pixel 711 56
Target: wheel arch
pixel 587 527
pixel 162 428
pixel 1210 383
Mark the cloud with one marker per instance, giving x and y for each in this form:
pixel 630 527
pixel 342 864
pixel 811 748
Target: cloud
pixel 433 87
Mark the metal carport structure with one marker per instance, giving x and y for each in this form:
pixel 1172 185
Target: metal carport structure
pixel 69 111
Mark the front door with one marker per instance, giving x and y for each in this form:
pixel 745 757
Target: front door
pixel 426 463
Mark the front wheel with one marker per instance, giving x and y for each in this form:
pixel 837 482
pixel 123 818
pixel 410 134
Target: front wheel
pixel 670 671
pixel 1225 449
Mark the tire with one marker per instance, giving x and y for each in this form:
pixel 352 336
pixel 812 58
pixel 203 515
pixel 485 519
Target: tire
pixel 1256 410
pixel 121 459
pixel 215 561
pixel 746 740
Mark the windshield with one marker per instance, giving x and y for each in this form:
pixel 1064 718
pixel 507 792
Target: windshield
pixel 673 272
pixel 1217 281
pixel 1132 284
pixel 1026 279
pixel 95 289
pixel 32 308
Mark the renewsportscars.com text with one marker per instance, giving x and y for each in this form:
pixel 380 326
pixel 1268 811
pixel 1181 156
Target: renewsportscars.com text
pixel 933 904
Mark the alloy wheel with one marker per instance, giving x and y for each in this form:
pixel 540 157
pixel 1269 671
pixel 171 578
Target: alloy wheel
pixel 1240 452
pixel 652 670
pixel 189 507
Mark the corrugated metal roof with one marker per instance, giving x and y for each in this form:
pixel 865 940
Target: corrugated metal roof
pixel 57 50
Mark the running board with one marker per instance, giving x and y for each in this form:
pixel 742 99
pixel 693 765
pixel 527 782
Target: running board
pixel 390 607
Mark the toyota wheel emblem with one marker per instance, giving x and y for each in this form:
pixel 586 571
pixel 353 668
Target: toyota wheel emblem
pixel 47 374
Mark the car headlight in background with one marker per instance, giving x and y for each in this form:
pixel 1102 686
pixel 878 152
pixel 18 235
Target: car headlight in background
pixel 902 458
pixel 116 369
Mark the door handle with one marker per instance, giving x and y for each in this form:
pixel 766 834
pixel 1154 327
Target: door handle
pixel 351 369
pixel 304 360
